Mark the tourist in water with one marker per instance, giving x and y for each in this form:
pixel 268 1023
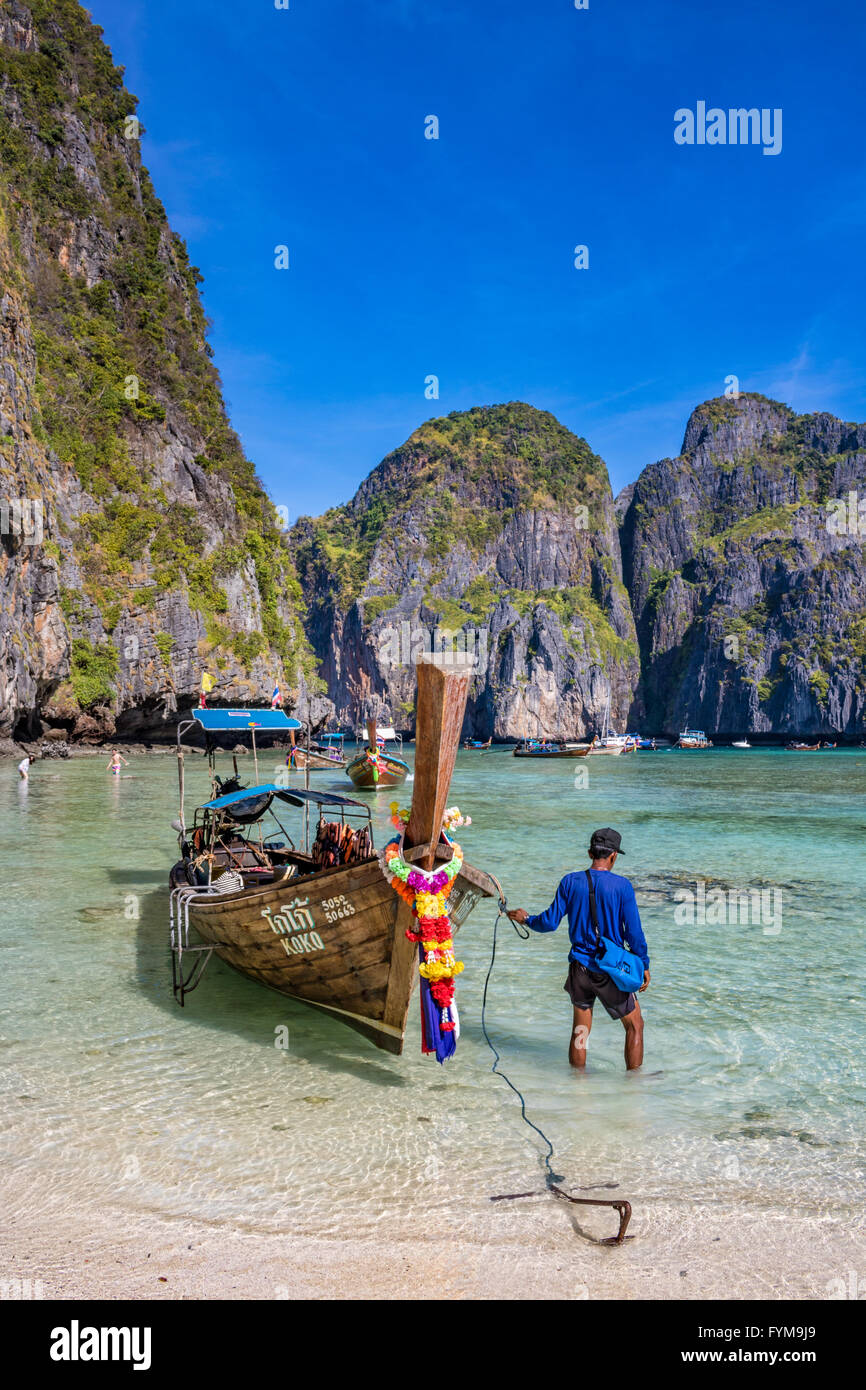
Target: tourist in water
pixel 620 921
pixel 117 761
pixel 24 768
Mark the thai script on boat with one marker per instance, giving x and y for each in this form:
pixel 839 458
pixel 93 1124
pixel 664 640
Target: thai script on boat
pixel 336 908
pixel 295 926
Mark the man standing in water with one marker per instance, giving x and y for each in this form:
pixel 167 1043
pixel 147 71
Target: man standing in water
pixel 618 919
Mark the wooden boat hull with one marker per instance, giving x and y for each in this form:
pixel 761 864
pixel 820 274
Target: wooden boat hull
pixel 556 753
pixel 334 940
pixel 392 772
pixel 318 762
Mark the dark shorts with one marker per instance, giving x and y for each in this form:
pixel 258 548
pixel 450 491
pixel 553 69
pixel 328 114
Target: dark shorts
pixel 585 986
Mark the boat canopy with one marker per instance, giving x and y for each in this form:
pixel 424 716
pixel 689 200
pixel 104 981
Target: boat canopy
pixel 303 796
pixel 221 721
pixel 268 790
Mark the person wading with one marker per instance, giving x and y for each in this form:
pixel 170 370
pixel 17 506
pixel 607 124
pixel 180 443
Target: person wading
pixel 618 918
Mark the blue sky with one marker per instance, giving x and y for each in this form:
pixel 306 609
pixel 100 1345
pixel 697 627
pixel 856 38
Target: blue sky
pixel 454 257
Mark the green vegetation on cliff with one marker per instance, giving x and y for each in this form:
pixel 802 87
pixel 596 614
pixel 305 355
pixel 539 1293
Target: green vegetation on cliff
pixel 121 350
pixel 460 479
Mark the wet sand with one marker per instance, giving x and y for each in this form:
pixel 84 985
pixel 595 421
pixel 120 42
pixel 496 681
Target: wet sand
pixel 530 1249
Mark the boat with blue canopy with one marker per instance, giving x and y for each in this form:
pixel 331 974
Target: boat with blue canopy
pixel 306 908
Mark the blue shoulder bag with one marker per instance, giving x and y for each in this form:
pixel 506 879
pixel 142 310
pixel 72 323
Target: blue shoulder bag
pixel 621 965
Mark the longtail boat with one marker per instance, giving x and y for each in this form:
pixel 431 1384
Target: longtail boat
pixel 324 755
pixel 320 924
pixel 541 748
pixel 373 767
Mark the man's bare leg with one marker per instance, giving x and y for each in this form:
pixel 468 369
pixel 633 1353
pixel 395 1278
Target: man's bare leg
pixel 633 1025
pixel 579 1034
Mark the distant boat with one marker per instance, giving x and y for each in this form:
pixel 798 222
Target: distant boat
pixel 373 767
pixel 325 755
pixel 613 744
pixel 693 738
pixel 741 743
pixel 545 748
pixel 809 747
pixel 476 743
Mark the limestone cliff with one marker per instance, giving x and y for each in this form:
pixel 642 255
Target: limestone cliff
pixel 725 588
pixel 138 546
pixel 496 524
pixel 744 558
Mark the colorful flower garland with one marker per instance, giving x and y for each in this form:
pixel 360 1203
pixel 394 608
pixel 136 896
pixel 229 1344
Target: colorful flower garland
pixel 374 758
pixel 426 893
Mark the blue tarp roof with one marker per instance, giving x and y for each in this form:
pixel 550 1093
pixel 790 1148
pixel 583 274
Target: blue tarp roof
pixel 295 798
pixel 221 721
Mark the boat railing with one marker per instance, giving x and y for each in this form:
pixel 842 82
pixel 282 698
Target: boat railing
pixel 180 901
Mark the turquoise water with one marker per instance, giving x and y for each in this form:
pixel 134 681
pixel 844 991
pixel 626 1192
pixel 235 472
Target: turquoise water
pixel 754 1084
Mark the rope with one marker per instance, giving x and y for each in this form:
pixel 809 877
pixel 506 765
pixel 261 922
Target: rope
pixel 524 936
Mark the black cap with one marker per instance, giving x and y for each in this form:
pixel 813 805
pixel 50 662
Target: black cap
pixel 607 840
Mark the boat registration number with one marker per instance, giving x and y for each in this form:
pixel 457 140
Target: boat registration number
pixel 336 908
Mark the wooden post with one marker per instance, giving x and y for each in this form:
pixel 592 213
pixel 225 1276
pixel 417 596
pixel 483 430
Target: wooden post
pixel 442 694
pixel 371 734
pixel 307 785
pixel 180 783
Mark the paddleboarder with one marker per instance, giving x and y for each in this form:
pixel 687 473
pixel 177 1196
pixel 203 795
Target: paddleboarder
pixel 618 919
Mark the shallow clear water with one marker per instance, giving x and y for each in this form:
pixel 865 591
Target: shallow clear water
pixel 754 1084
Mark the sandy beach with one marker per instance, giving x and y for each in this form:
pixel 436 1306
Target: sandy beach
pixel 531 1249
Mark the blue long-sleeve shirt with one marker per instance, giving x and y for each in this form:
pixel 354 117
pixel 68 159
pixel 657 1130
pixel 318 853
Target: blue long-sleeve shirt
pixel 618 917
